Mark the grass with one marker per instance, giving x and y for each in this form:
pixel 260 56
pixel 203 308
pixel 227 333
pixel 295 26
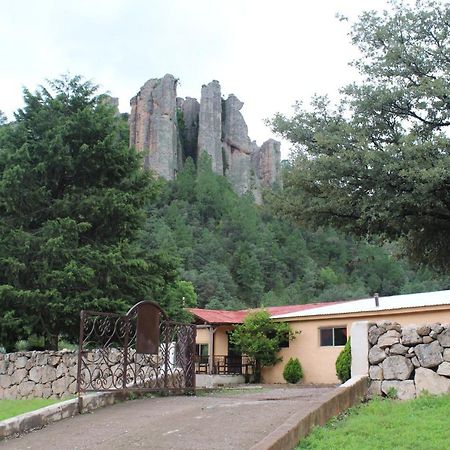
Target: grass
pixel 420 424
pixel 11 408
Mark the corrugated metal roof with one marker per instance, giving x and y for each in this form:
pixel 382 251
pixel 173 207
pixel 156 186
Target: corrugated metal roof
pixel 423 299
pixel 219 316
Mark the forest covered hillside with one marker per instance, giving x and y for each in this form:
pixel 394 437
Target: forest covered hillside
pixel 238 255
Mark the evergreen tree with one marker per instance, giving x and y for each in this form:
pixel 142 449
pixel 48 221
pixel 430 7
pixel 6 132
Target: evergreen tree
pixel 378 163
pixel 72 198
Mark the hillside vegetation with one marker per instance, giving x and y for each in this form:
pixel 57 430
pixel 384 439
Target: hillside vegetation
pixel 239 255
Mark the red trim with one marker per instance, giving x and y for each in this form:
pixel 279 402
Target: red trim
pixel 218 316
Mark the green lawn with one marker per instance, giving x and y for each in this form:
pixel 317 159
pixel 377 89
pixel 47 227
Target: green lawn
pixel 421 424
pixel 11 408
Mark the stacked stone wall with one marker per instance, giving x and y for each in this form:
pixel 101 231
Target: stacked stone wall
pixel 47 374
pixel 410 360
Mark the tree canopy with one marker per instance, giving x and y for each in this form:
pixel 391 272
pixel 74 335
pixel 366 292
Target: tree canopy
pixel 261 338
pixel 238 255
pixel 377 163
pixel 73 200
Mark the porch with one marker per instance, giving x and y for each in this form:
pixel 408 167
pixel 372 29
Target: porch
pixel 223 365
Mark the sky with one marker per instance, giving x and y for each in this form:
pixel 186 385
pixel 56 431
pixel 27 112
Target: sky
pixel 268 53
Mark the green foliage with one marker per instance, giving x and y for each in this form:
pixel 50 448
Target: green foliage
pixel 344 363
pixel 238 255
pixel 382 423
pixel 260 338
pixel 378 163
pixel 392 393
pixel 11 408
pixel 293 371
pixel 72 210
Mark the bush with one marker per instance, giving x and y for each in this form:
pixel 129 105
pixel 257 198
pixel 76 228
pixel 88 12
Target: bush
pixel 344 363
pixel 293 371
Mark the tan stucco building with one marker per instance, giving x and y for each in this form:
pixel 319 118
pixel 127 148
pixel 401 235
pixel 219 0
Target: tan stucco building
pixel 322 329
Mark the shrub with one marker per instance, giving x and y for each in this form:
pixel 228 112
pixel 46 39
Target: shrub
pixel 293 371
pixel 344 363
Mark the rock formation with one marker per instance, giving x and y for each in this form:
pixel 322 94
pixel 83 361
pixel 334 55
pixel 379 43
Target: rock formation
pixel 153 125
pixel 171 129
pixel 210 125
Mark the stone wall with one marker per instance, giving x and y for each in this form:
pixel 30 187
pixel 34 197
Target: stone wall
pixel 409 360
pixel 38 374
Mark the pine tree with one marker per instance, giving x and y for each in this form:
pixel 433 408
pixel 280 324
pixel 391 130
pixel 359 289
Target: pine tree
pixel 72 205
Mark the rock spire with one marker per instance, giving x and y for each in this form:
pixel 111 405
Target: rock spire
pixel 171 129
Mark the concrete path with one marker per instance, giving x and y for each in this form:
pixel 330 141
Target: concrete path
pixel 233 419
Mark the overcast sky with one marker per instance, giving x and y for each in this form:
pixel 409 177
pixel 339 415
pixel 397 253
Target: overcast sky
pixel 268 53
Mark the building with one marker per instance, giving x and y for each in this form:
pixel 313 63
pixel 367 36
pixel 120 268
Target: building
pixel 321 330
pixel 215 354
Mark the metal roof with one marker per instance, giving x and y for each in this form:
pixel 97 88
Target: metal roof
pixel 421 300
pixel 218 316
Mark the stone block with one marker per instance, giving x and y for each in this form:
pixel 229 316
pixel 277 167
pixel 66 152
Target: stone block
pixel 423 330
pixel 389 338
pixel 430 382
pixel 444 337
pixel 398 349
pixel 11 393
pixel 19 375
pixel 21 362
pixel 61 370
pixel 41 358
pixel 374 334
pixel 5 381
pixel 397 367
pixel 374 389
pixel 35 374
pixel 392 326
pixel 429 355
pixel 3 367
pixel 54 360
pixel 59 387
pixel 415 362
pixel 444 369
pixel 410 336
pixel 436 328
pixel 376 355
pixel 26 388
pixel 375 373
pixel 406 390
pixel 48 374
pixel 427 339
pixel 446 354
pixel 46 390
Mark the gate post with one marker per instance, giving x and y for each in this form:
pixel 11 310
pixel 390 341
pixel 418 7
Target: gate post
pixel 125 352
pixel 80 350
pixel 166 355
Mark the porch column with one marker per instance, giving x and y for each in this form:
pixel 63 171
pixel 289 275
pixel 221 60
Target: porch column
pixel 211 349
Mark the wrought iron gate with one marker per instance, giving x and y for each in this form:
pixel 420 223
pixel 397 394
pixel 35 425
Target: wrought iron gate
pixel 140 351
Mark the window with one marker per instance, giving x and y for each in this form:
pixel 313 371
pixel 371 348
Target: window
pixel 201 349
pixel 331 337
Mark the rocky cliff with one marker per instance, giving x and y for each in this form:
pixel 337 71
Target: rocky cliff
pixel 171 129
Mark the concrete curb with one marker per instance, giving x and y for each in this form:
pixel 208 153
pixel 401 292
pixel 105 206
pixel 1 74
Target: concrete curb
pixel 53 413
pixel 288 434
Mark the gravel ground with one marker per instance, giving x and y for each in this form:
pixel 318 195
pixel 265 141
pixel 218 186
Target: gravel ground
pixel 228 419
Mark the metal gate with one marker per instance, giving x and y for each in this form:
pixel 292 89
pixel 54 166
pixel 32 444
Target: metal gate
pixel 140 351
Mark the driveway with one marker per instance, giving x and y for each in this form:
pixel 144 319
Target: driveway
pixel 229 419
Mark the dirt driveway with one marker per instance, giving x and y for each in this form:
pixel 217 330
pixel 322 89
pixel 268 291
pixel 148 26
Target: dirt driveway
pixel 230 419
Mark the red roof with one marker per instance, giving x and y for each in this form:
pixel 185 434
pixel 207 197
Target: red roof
pixel 221 316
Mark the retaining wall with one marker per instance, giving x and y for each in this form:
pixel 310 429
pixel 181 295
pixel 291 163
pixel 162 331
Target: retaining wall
pixel 47 374
pixel 299 425
pixel 406 361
